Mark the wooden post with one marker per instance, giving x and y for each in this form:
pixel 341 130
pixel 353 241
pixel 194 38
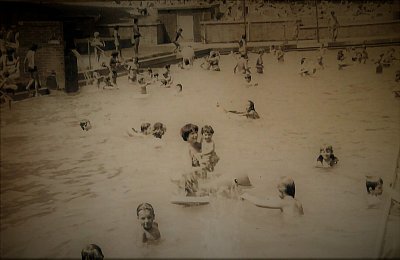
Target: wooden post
pixel 316 16
pixel 244 18
pixel 88 47
pixel 248 31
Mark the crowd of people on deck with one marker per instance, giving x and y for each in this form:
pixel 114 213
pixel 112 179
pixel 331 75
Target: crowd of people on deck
pixel 232 10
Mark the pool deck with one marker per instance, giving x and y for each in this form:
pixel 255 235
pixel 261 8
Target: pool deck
pixel 157 56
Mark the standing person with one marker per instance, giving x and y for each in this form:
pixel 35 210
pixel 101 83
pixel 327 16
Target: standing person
pixel 297 30
pixel 113 64
pixel 260 62
pixel 133 70
pixel 364 55
pixel 333 26
pixel 177 36
pixel 32 69
pixel 242 65
pixel 243 45
pixel 98 44
pixel 117 37
pixel 135 37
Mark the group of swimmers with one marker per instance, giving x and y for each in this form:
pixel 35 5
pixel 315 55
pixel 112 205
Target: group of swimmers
pixel 150 232
pixel 204 159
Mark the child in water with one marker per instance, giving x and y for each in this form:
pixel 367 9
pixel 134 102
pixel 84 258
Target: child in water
pixel 374 185
pixel 280 55
pixel 133 69
pixel 209 158
pixel 248 81
pixel 159 130
pixel 250 112
pixel 307 68
pixel 146 216
pixel 242 65
pixel 92 252
pixel 145 129
pixel 260 62
pixel 326 155
pixel 288 204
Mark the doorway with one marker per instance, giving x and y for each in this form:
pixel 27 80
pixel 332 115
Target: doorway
pixel 185 21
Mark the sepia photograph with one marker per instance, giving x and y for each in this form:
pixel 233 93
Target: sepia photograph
pixel 199 129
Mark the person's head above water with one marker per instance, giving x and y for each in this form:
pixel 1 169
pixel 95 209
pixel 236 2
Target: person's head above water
pixel 374 185
pixel 92 252
pixel 250 106
pixel 159 130
pixel 189 132
pixel 145 214
pixel 286 187
pixel 145 128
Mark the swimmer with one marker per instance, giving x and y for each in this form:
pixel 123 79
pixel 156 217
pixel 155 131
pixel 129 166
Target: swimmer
pixel 179 88
pixel 227 186
pixel 242 65
pixel 250 112
pixel 260 62
pixel 159 130
pixel 374 185
pixel 248 80
pixel 145 129
pixel 306 68
pixel 92 252
pixel 146 216
pixel 326 155
pixel 188 56
pixel 288 204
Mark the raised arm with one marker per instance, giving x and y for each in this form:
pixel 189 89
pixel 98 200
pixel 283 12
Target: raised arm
pixel 235 112
pixel 270 204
